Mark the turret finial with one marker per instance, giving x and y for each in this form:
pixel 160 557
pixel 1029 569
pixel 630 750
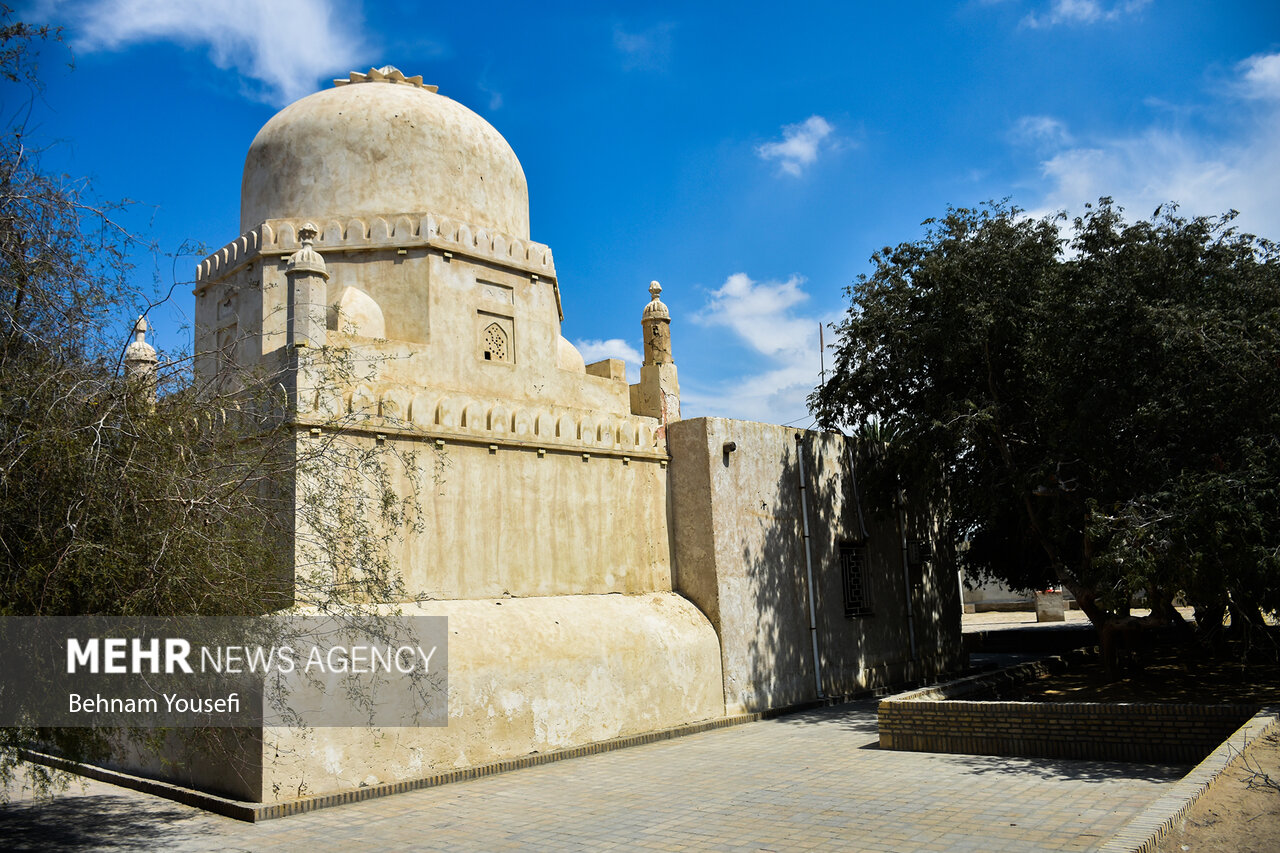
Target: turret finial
pixel 655 310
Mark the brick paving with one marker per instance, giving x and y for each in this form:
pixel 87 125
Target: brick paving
pixel 811 781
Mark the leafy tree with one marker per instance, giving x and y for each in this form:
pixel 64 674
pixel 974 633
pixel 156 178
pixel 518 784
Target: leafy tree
pixel 1097 408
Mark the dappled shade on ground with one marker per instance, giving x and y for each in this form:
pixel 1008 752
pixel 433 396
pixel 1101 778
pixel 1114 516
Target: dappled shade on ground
pixel 1173 673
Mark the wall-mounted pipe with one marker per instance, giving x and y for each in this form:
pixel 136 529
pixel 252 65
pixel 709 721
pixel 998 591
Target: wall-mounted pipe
pixel 808 565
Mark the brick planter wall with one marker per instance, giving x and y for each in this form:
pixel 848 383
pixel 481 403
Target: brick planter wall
pixel 934 720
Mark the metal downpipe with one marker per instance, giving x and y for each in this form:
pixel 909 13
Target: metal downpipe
pixel 808 565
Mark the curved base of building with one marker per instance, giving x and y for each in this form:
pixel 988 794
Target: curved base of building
pixel 525 676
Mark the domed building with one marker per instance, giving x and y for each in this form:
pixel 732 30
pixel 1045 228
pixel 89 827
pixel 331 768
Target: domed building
pixel 607 569
pixel 360 150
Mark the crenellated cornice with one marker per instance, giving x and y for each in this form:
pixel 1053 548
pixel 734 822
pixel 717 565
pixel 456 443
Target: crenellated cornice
pixel 279 237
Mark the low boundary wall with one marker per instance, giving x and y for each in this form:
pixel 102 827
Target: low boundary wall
pixel 937 719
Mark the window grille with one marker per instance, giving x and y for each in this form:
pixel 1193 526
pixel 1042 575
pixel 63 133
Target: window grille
pixel 495 343
pixel 853 568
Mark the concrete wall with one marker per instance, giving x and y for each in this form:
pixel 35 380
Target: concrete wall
pixel 739 555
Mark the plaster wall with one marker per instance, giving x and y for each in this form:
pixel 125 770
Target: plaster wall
pixel 740 556
pixel 223 761
pixel 512 518
pixel 525 675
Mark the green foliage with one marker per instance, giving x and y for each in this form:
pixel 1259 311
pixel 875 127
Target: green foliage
pixel 1097 408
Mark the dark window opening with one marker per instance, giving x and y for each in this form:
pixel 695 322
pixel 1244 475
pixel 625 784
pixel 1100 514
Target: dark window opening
pixel 853 569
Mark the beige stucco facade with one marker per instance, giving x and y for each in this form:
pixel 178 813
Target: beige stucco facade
pixel 606 568
pixel 752 546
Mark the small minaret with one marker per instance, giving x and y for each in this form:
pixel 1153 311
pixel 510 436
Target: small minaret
pixel 308 288
pixel 657 395
pixel 656 320
pixel 140 363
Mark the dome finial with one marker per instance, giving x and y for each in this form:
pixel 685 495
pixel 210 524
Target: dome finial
pixel 655 309
pixel 307 259
pixel 385 74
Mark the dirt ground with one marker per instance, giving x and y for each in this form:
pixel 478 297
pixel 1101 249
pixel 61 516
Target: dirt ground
pixel 1240 813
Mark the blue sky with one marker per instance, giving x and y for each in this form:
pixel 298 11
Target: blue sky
pixel 749 156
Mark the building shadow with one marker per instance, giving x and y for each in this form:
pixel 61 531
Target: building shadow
pixel 1076 770
pixel 107 822
pixel 848 607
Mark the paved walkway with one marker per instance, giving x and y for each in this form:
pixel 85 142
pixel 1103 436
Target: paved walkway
pixel 812 781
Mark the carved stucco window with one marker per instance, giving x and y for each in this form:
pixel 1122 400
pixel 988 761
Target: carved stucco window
pixel 853 569
pixel 494 343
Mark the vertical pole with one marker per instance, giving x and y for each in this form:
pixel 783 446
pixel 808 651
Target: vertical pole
pixel 822 354
pixel 808 565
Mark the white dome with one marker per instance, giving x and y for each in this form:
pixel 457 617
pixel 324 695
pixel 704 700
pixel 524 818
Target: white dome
pixel 568 357
pixel 377 148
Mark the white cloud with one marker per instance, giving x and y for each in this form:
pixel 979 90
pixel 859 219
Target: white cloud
pixel 1260 76
pixel 1082 12
pixel 598 350
pixel 764 317
pixel 495 97
pixel 758 312
pixel 648 49
pixel 284 46
pixel 1235 167
pixel 1040 130
pixel 799 146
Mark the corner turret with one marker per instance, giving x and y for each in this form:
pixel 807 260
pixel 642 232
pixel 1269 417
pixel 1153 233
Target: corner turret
pixel 657 395
pixel 140 362
pixel 308 281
